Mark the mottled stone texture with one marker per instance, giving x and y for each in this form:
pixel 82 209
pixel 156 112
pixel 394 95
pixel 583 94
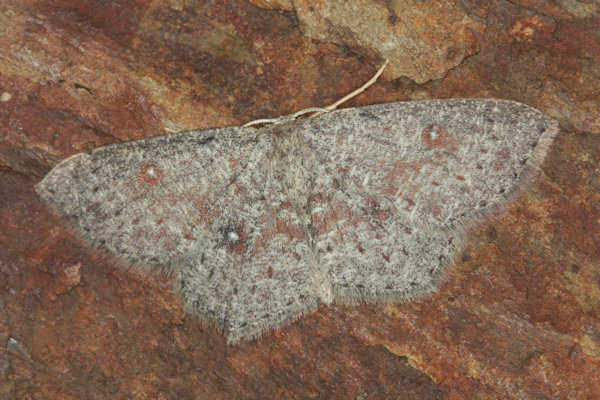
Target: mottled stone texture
pixel 519 314
pixel 421 39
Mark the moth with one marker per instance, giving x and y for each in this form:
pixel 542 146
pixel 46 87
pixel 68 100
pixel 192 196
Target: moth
pixel 259 225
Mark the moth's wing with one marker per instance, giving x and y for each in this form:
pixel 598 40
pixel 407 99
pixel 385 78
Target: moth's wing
pixel 397 184
pixel 438 161
pixel 248 272
pixel 148 200
pixel 205 205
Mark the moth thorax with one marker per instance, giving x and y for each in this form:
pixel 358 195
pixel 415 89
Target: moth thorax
pixel 323 288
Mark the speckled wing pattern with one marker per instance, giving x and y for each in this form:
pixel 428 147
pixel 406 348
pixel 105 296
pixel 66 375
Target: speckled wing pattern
pixel 399 183
pixel 258 225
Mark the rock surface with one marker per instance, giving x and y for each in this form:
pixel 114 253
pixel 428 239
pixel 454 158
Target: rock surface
pixel 421 40
pixel 519 316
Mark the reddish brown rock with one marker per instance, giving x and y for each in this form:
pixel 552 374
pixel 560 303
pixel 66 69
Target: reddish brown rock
pixel 286 5
pixel 421 40
pixel 518 317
